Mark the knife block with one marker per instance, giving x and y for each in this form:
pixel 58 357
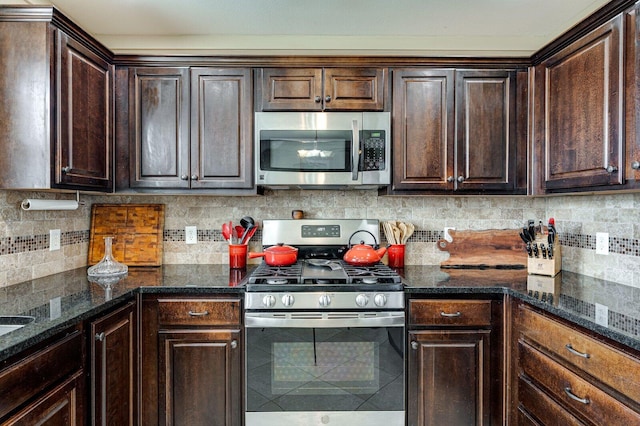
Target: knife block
pixel 547 267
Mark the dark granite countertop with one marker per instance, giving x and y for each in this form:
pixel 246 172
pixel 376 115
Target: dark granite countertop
pixel 62 300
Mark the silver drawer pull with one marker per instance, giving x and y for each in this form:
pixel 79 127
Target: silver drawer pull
pixel 570 394
pixel 444 314
pixel 198 314
pixel 573 351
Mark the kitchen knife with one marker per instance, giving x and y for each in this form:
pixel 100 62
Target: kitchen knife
pixel 535 250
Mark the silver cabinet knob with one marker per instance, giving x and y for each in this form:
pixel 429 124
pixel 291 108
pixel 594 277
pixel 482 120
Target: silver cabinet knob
pixel 327 98
pixel 325 300
pixel 317 99
pixel 450 179
pixel 288 300
pixel 269 301
pixel 362 300
pixel 635 165
pixel 184 177
pixel 612 169
pixel 234 344
pixel 415 345
pixel 380 300
pixel 100 336
pixel 194 177
pixel 66 169
pixel 460 178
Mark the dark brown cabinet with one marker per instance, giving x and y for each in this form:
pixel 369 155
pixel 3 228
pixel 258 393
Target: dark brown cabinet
pixel 190 128
pixel 453 374
pixel 455 131
pixel 46 386
pixel 56 130
pixel 191 357
pixel 321 89
pixel 578 113
pixel 113 343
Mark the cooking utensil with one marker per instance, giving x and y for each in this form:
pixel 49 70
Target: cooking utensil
pixel 363 254
pixel 249 234
pixel 278 255
pixel 226 232
pixel 247 223
pixel 408 233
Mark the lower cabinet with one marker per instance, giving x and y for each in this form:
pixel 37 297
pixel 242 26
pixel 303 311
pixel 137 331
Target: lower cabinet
pixel 562 375
pixel 454 362
pixel 45 386
pixel 191 361
pixel 112 341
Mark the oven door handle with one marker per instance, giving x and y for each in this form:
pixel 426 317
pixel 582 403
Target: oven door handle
pixel 355 150
pixel 322 319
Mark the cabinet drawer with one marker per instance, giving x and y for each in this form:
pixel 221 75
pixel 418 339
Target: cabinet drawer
pixel 450 312
pixel 585 399
pixel 537 403
pixel 39 371
pixel 607 364
pixel 214 312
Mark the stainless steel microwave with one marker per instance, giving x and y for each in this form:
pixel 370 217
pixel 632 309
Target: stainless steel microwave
pixel 323 149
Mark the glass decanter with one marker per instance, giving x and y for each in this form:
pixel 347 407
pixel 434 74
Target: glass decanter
pixel 108 271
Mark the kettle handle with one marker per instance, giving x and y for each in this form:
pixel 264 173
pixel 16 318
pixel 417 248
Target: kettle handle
pixel 376 246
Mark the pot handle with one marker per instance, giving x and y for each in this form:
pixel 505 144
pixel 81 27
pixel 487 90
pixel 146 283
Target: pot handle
pixel 376 246
pixel 253 255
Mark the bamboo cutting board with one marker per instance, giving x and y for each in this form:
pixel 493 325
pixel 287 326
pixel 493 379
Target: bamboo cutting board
pixel 137 230
pixel 493 248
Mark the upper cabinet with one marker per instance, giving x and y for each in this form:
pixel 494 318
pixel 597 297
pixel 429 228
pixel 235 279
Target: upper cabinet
pixel 455 130
pixel 188 128
pixel 57 85
pixel 320 89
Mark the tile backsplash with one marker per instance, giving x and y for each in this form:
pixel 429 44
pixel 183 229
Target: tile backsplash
pixel 24 235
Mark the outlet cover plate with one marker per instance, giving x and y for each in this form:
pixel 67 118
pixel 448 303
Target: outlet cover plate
pixel 191 234
pixel 54 239
pixel 602 243
pixel 602 315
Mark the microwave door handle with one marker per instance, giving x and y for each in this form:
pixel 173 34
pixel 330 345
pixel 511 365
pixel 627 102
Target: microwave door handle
pixel 355 150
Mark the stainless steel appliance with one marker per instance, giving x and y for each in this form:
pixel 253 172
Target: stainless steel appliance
pixel 323 149
pixel 324 340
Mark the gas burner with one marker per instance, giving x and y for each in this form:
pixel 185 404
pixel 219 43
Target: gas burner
pixel 277 281
pixel 370 280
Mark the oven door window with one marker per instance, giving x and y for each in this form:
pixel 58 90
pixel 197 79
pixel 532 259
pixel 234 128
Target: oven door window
pixel 304 150
pixel 325 369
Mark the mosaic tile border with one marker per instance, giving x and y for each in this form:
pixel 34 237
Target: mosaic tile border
pixel 22 244
pixel 616 320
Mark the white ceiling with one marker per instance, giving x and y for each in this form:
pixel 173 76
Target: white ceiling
pixel 336 27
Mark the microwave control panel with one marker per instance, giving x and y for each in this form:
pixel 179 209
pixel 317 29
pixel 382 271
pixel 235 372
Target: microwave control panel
pixel 373 150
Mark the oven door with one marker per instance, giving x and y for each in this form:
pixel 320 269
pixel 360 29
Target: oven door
pixel 317 368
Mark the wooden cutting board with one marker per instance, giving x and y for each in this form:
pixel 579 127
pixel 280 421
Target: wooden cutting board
pixel 137 230
pixel 492 248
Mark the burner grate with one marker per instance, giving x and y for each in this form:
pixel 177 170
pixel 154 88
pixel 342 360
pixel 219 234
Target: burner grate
pixel 265 272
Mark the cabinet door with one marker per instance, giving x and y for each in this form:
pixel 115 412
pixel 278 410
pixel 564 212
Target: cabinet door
pixel 221 128
pixel 84 140
pixel 200 377
pixel 159 127
pixel 448 377
pixel 423 126
pixel 113 340
pixel 579 112
pixel 486 130
pixel 59 407
pixel 359 89
pixel 291 89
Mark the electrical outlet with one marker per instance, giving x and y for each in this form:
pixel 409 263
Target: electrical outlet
pixel 602 315
pixel 55 308
pixel 54 239
pixel 602 243
pixel 191 234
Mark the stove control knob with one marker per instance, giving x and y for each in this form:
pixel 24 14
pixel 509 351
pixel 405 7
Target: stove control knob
pixel 325 300
pixel 288 299
pixel 380 300
pixel 269 301
pixel 362 300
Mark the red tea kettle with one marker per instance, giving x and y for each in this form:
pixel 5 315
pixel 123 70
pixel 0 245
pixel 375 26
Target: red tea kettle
pixel 363 254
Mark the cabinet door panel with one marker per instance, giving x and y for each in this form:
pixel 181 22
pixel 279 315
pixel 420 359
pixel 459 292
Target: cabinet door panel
pixel 448 377
pixel 354 89
pixel 485 106
pixel 159 113
pixel 292 89
pixel 84 138
pixel 200 377
pixel 423 129
pixel 582 131
pixel 221 120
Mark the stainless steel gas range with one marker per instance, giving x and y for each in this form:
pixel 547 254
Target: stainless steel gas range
pixel 324 339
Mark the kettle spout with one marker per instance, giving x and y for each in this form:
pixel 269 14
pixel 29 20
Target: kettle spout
pixel 381 251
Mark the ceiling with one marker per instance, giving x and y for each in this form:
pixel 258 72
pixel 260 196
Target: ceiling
pixel 332 27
